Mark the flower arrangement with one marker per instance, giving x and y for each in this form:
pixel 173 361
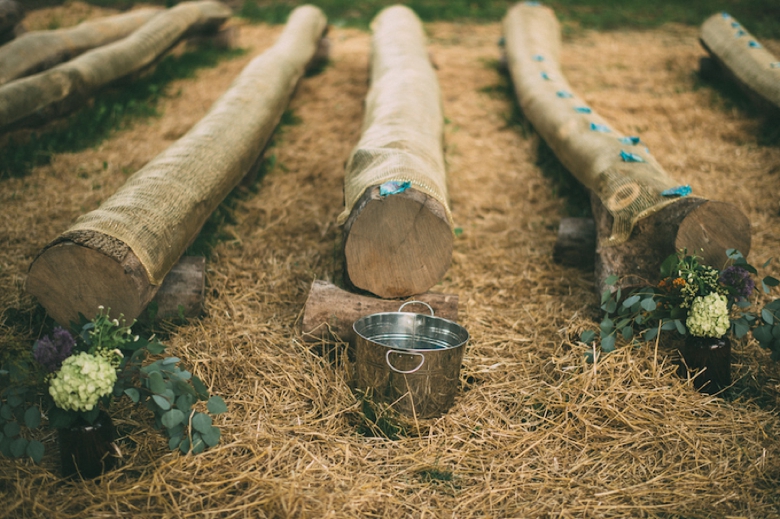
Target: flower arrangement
pixel 69 378
pixel 692 299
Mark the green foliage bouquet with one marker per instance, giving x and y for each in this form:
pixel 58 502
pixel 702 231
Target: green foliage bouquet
pixel 67 378
pixel 692 299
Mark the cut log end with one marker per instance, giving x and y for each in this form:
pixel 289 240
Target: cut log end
pixel 93 278
pixel 712 228
pixel 398 245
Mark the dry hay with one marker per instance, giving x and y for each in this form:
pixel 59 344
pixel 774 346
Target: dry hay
pixel 535 431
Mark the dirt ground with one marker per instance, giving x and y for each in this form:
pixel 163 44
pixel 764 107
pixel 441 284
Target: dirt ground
pixel 535 431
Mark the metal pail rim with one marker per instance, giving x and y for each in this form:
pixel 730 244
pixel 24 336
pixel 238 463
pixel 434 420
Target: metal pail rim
pixel 462 330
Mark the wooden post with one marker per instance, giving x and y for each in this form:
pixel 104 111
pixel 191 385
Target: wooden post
pixel 118 255
pixel 331 312
pixel 637 225
pixel 181 293
pixel 398 229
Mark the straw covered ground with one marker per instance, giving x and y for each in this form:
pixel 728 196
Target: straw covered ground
pixel 535 431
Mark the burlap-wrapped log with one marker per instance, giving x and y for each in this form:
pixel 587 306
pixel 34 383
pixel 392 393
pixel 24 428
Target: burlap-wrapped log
pixel 398 238
pixel 59 89
pixel 626 183
pixel 756 70
pixel 118 255
pixel 38 50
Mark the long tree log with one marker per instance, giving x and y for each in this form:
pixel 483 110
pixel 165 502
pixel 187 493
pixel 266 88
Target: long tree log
pixel 637 225
pixel 398 243
pixel 37 98
pixel 331 312
pixel 118 255
pixel 35 51
pixel 744 60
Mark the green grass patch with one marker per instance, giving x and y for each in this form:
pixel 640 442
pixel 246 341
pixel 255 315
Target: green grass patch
pixel 762 18
pixel 110 110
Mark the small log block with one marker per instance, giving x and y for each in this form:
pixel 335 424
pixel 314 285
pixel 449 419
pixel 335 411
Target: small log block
pixel 181 293
pixel 330 311
pixel 576 243
pixel 397 245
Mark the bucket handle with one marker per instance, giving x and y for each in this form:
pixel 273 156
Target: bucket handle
pixel 402 372
pixel 419 303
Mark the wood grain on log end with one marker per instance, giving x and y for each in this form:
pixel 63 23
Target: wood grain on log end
pixel 711 228
pixel 331 311
pixel 398 245
pixel 100 270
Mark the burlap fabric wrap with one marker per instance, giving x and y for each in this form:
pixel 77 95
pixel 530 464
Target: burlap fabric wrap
pixel 37 50
pixel 103 65
pixel 403 122
pixel 163 206
pixel 753 65
pixel 601 158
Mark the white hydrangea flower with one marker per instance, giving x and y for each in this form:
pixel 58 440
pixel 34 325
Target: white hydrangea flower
pixel 709 316
pixel 81 381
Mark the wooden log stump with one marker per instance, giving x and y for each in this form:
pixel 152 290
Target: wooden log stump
pixel 36 51
pixel 638 219
pixel 119 254
pixel 36 99
pixel 398 243
pixel 330 311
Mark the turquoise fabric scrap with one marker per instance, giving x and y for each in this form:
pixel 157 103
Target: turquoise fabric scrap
pixel 545 76
pixel 538 57
pixel 631 140
pixel 582 109
pixel 739 33
pixel 753 44
pixel 776 64
pixel 394 187
pixel 630 157
pixel 677 191
pixel 563 94
pixel 603 128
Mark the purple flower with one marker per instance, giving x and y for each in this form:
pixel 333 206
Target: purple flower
pixel 51 352
pixel 739 279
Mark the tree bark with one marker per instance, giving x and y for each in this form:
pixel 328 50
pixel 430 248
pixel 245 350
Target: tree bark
pixel 181 293
pixel 330 311
pixel 119 254
pixel 38 98
pixel 36 51
pixel 398 244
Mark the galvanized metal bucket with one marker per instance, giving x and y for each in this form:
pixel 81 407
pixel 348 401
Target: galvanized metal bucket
pixel 410 360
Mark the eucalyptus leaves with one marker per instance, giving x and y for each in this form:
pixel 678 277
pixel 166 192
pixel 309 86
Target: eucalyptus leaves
pixel 66 379
pixel 691 299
